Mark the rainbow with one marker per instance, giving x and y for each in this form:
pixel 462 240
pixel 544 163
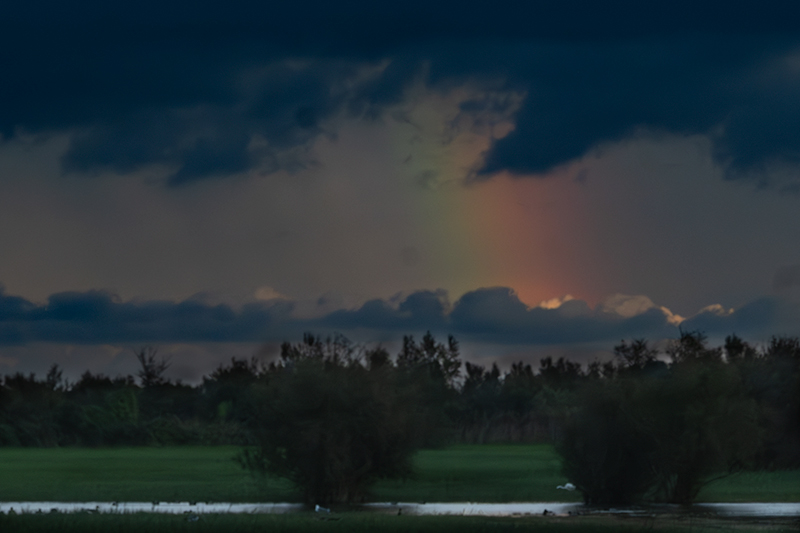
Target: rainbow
pixel 527 234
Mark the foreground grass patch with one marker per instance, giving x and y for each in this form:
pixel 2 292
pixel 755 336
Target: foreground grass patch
pixel 358 522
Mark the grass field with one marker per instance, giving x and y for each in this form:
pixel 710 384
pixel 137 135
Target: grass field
pixel 370 522
pixel 778 486
pixel 491 473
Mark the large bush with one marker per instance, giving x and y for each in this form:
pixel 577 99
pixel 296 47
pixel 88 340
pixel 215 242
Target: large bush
pixel 607 451
pixel 333 420
pixel 705 424
pixel 661 432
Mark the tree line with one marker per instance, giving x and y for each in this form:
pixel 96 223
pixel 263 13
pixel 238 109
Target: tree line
pixel 660 426
pixel 334 416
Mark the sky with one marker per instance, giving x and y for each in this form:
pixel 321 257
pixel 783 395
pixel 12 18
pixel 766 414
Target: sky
pixel 534 178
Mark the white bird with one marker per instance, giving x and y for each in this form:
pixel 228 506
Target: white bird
pixel 321 509
pixel 568 486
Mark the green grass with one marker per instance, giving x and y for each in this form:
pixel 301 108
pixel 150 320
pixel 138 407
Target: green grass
pixel 364 522
pixel 778 486
pixel 129 474
pixel 490 473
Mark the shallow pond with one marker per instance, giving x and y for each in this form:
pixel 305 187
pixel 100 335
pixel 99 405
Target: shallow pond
pixel 465 508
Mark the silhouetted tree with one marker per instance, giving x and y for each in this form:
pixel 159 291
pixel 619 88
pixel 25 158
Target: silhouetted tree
pixel 152 370
pixel 563 374
pixel 480 406
pixel 636 356
pixel 772 378
pixel 330 424
pixel 226 391
pixel 430 370
pixel 663 434
pixel 737 349
pixel 692 346
pixel 704 422
pixel 607 450
pixel 442 361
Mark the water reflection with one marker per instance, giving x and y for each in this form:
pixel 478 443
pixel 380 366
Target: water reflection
pixel 151 507
pixel 465 508
pixel 566 509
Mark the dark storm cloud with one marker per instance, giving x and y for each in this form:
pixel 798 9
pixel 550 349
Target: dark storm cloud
pixel 418 311
pixel 493 315
pixel 359 23
pixel 281 104
pixel 742 92
pixel 497 315
pixel 760 319
pixel 99 317
pixel 191 86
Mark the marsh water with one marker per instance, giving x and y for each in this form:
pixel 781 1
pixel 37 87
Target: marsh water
pixel 730 510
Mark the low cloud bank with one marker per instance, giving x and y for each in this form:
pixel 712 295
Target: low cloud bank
pixel 486 315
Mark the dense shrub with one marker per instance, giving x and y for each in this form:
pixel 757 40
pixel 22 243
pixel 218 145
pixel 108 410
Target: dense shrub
pixel 607 450
pixel 331 424
pixel 661 432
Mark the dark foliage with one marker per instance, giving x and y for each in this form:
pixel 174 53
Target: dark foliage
pixel 772 378
pixel 332 424
pixel 335 416
pixel 606 448
pixel 428 371
pixel 658 431
pixel 152 371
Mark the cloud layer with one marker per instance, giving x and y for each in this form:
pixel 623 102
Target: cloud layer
pixel 225 89
pixel 489 315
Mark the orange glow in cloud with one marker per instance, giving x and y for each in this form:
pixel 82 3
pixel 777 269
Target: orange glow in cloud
pixel 530 231
pixel 529 234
